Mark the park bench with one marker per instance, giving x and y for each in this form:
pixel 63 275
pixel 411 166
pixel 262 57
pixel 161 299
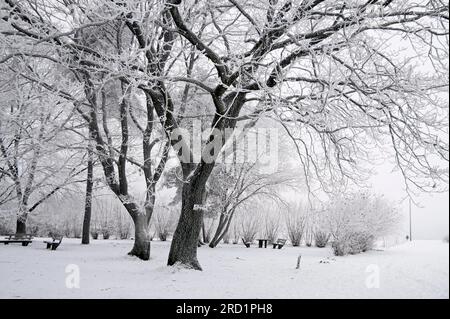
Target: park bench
pixel 279 243
pixel 24 239
pixel 54 243
pixel 262 243
pixel 246 243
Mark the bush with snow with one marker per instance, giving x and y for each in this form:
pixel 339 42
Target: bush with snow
pixel 271 228
pixel 355 221
pixel 321 238
pixel 353 243
pixel 250 225
pixel 164 222
pixel 5 228
pixel 123 224
pixel 296 221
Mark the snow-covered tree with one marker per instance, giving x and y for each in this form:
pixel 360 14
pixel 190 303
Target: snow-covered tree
pixel 36 155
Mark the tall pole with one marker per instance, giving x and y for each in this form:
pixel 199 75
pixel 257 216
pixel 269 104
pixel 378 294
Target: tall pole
pixel 410 221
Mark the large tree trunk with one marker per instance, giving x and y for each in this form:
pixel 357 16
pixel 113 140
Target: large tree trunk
pixel 88 200
pixel 185 240
pixel 21 226
pixel 141 248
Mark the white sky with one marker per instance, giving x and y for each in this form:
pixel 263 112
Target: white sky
pixel 430 220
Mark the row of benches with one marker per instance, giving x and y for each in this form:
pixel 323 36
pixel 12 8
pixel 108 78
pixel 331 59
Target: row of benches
pixel 26 239
pixel 263 242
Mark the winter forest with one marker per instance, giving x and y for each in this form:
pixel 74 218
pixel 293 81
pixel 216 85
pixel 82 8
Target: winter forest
pixel 171 144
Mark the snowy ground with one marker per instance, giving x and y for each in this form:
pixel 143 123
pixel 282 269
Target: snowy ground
pixel 417 270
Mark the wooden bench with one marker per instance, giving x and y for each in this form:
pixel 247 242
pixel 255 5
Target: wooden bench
pixel 54 243
pixel 246 243
pixel 24 239
pixel 262 243
pixel 279 244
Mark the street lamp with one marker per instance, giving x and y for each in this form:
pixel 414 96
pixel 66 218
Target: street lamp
pixel 410 220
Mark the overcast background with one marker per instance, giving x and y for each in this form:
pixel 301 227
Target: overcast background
pixel 430 220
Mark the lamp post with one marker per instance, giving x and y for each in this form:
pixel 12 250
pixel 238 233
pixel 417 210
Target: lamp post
pixel 410 220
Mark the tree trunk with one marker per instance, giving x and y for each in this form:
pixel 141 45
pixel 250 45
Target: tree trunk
pixel 141 248
pixel 205 239
pixel 21 227
pixel 185 240
pixel 222 229
pixel 88 199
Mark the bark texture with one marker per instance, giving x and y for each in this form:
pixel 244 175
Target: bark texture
pixel 88 199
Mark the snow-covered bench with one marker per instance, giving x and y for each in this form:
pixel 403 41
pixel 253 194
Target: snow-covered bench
pixel 279 244
pixel 54 243
pixel 24 239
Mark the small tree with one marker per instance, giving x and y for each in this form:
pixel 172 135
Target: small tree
pixel 241 185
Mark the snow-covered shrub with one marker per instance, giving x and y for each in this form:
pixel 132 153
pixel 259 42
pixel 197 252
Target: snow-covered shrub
pixel 226 238
pixel 103 211
pixel 340 247
pixel 321 238
pixel 94 233
pixel 55 232
pixel 309 237
pixel 77 230
pixel 353 244
pixel 309 229
pixel 357 220
pixel 5 229
pixel 296 218
pixel 6 224
pixel 33 230
pixel 106 232
pixel 362 242
pixel 151 230
pixel 249 226
pixel 162 232
pixel 123 224
pixel 271 228
pixel 235 233
pixel 207 229
pixel 40 228
pixel 164 222
pixel 66 228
